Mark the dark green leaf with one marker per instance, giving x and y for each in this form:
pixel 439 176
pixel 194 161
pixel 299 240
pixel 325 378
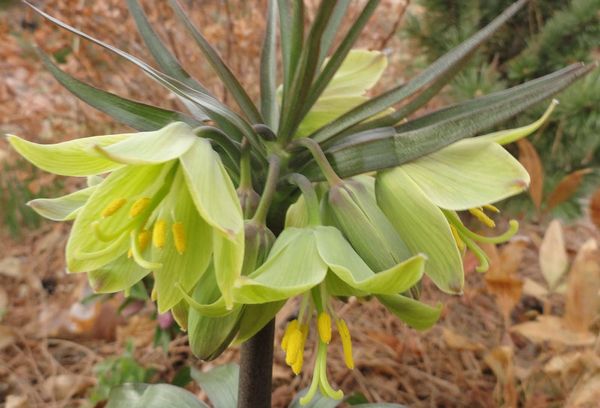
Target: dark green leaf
pixel 230 81
pixel 220 384
pixel 165 60
pixel 135 114
pixel 268 70
pixel 438 69
pixel 389 147
pixel 339 12
pixel 152 396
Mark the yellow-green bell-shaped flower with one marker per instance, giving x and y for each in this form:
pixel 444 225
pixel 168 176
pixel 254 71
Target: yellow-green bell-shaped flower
pixel 167 206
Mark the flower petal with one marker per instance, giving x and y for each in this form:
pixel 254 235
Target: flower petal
pixel 412 312
pixel 327 109
pixel 422 226
pixel 211 188
pixel 289 271
pixel 228 259
pixel 153 147
pixel 186 268
pixel 344 262
pixel 63 208
pixel 468 174
pixel 118 275
pixel 85 251
pixel 73 158
pixel 359 72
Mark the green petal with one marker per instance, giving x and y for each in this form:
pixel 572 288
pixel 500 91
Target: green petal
pixel 512 135
pixel 337 253
pixel 118 275
pixel 85 251
pixel 468 174
pixel 63 208
pixel 228 260
pixel 211 188
pixel 422 226
pixel 209 336
pixel 152 147
pixel 73 158
pixel 359 72
pixel 325 110
pixel 412 312
pixel 183 269
pixel 290 270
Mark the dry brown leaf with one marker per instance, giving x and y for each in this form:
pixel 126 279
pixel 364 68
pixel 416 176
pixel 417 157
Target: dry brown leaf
pixel 7 337
pixel 10 267
pixel 500 360
pixel 3 302
pixel 16 401
pixel 532 288
pixel 459 342
pixel 567 363
pixel 582 300
pixel 553 329
pixel 566 188
pixel 595 208
pixel 586 394
pixel 530 159
pixel 553 257
pixel 63 386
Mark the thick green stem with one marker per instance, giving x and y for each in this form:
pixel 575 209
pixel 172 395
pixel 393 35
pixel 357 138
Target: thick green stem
pixel 260 215
pixel 315 150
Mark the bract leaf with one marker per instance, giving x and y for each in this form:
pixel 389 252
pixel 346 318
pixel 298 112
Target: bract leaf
pixel 182 268
pixel 72 158
pixel 211 188
pixel 291 269
pixel 63 208
pixel 152 147
pixel 467 174
pixel 422 226
pixel 344 262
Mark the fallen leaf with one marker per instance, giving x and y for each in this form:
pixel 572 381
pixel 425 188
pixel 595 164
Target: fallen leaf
pixel 16 401
pixel 532 288
pixel 566 188
pixel 553 256
pixel 10 267
pixel 500 360
pixel 3 302
pixel 586 393
pixel 553 329
pixel 595 208
pixel 530 159
pixel 459 342
pixel 63 386
pixel 565 363
pixel 582 300
pixel 7 337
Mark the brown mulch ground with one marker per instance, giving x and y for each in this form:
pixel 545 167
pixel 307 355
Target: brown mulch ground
pixel 49 342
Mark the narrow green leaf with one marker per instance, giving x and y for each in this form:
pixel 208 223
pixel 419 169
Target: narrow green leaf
pixel 268 70
pixel 285 37
pixel 339 12
pixel 135 114
pixel 228 78
pixel 220 384
pixel 436 70
pixel 163 57
pixel 340 54
pixel 305 72
pixel 387 147
pixel 232 123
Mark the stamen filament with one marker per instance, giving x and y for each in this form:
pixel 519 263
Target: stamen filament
pixel 513 228
pixel 113 207
pixel 484 263
pixel 109 248
pixel 459 242
pixel 324 385
pixel 137 256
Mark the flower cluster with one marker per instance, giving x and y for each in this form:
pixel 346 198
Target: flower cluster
pixel 168 207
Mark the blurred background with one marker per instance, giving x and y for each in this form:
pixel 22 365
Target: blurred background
pixel 524 334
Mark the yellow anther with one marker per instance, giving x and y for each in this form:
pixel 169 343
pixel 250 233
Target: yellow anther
pixel 459 242
pixel 346 342
pixel 139 206
pixel 293 325
pixel 297 366
pixel 293 347
pixel 324 326
pixel 154 294
pixel 304 329
pixel 481 216
pixel 113 207
pixel 129 253
pixel 143 240
pixel 491 208
pixel 179 237
pixel 159 233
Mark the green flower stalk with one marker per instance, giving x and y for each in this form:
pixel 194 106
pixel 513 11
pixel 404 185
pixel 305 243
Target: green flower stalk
pixel 150 214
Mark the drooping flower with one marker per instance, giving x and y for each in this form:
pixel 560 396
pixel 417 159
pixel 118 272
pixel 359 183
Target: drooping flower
pixel 167 206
